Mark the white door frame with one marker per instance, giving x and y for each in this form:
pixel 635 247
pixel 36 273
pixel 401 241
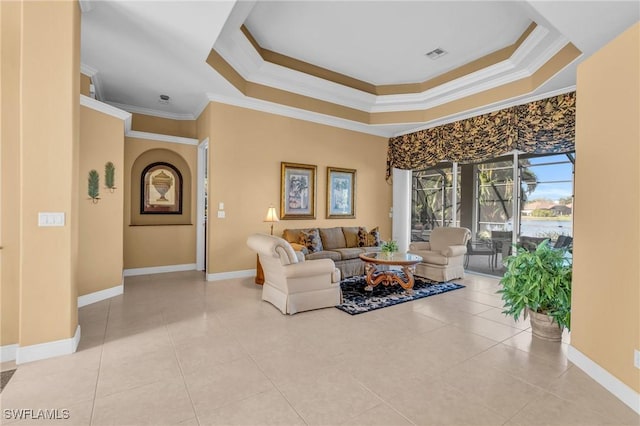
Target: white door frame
pixel 201 242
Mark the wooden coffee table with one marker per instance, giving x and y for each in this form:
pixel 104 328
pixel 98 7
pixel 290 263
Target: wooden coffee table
pixel 377 272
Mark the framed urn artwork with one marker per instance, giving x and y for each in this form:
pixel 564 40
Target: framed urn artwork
pixel 297 191
pixel 341 189
pixel 161 189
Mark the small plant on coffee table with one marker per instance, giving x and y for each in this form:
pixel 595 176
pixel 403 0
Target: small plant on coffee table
pixel 390 246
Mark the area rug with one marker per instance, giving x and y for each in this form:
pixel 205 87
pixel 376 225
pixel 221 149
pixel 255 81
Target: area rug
pixel 356 300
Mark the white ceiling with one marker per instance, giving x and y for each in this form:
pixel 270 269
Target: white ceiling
pixel 386 42
pixel 137 50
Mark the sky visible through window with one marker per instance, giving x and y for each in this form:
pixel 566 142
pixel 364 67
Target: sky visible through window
pixel 552 173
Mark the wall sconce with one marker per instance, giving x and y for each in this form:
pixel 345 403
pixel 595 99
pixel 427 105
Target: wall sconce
pixel 93 186
pixel 110 176
pixel 272 216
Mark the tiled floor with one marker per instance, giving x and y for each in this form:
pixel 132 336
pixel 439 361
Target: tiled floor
pixel 176 350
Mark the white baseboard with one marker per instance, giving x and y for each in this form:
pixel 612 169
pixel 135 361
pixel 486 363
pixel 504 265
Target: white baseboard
pixel 159 269
pixel 99 296
pixel 230 275
pixel 611 383
pixel 49 349
pixel 8 352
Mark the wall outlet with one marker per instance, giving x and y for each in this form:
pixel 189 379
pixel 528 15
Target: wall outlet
pixel 636 358
pixel 220 214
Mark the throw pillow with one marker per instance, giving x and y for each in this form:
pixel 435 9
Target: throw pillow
pixel 310 238
pixel 369 239
pixel 300 248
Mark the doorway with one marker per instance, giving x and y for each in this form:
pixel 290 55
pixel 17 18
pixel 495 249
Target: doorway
pixel 202 203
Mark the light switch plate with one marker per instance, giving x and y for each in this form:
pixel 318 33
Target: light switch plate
pixel 221 206
pixel 47 219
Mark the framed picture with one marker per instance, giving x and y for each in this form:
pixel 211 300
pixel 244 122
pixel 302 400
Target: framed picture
pixel 161 189
pixel 341 189
pixel 297 191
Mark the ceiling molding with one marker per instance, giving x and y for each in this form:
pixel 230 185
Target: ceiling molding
pixel 474 96
pixel 85 5
pixel 152 112
pixel 161 138
pixel 489 109
pixel 300 114
pixel 96 105
pixel 235 57
pixel 387 89
pixel 92 73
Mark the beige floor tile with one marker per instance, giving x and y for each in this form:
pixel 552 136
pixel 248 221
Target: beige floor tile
pixel 328 399
pixel 200 354
pixel 523 365
pixel 551 410
pixel 380 415
pixel 425 404
pixel 225 384
pixel 159 403
pixel 576 386
pixel 551 351
pixel 175 349
pixel 487 386
pixel 486 328
pixel 267 408
pixel 58 390
pixel 131 372
pixel 496 315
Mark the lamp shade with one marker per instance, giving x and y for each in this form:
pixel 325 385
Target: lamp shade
pixel 272 215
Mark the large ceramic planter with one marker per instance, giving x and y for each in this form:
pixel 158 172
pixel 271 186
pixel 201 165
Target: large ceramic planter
pixel 545 327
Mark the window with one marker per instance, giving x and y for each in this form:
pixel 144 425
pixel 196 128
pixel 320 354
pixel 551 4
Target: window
pixel 432 200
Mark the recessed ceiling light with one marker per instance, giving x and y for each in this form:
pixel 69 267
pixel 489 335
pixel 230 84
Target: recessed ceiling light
pixel 164 99
pixel 436 53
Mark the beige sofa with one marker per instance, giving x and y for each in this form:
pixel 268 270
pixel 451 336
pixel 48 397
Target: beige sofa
pixel 293 284
pixel 443 256
pixel 340 244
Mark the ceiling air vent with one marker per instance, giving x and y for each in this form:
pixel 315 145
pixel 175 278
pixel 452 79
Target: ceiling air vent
pixel 164 99
pixel 436 53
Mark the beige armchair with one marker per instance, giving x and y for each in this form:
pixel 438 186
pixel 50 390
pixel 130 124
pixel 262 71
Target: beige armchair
pixel 443 256
pixel 292 284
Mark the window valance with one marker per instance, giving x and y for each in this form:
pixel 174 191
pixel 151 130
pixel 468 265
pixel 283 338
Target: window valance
pixel 541 127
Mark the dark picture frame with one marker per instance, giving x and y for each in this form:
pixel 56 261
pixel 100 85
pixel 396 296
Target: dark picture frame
pixel 297 191
pixel 341 190
pixel 161 189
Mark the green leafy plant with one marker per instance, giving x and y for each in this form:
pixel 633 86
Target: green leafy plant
pixel 109 175
pixel 93 186
pixel 539 280
pixel 389 246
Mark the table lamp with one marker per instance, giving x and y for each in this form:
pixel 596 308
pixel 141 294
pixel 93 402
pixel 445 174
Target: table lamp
pixel 272 216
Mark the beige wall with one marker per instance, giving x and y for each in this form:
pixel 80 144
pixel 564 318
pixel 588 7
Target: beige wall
pixel 157 245
pixel 100 239
pixel 10 170
pixel 163 126
pixel 606 276
pixel 85 83
pixel 49 143
pixel 247 179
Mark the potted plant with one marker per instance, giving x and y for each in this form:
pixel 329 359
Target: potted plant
pixel 538 283
pixel 389 247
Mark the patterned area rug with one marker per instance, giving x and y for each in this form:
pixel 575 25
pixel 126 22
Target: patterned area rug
pixel 356 300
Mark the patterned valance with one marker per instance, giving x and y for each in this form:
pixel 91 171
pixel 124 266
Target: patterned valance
pixel 541 127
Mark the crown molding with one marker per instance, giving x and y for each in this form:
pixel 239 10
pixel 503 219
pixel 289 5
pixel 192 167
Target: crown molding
pixel 488 109
pixel 85 5
pixel 92 73
pixel 300 114
pixel 107 109
pixel 160 138
pixel 152 112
